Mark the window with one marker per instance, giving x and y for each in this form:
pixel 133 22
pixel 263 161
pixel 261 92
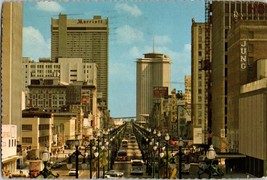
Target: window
pixel 27 127
pixel 250 47
pixel 43 126
pixel 251 35
pixel 26 140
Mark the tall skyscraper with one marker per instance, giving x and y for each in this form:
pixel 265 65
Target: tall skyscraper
pixel 198 79
pixel 86 39
pixel 224 14
pixel 152 75
pixel 12 64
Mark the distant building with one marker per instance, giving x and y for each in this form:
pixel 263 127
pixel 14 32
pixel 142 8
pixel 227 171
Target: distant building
pixel 66 70
pixel 61 98
pixel 64 128
pixel 55 85
pixel 11 66
pixel 37 131
pixel 152 82
pixel 199 120
pixel 86 39
pixel 187 97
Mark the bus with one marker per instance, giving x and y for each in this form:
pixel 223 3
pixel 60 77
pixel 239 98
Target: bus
pixel 132 139
pixel 137 166
pixel 122 155
pixel 124 143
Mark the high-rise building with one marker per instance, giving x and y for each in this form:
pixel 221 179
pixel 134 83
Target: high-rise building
pixel 152 81
pixel 86 39
pixel 224 14
pixel 247 40
pixel 246 92
pixel 12 64
pixel 199 120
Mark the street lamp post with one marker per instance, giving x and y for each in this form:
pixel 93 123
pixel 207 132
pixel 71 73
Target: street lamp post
pixel 107 143
pixel 77 152
pixel 154 154
pixel 45 172
pixel 167 138
pixel 211 155
pixel 91 156
pixel 103 148
pixel 159 135
pixel 161 155
pixel 181 144
pixel 98 160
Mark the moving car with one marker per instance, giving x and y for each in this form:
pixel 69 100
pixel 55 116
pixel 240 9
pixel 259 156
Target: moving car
pixel 115 173
pixel 72 172
pixel 137 166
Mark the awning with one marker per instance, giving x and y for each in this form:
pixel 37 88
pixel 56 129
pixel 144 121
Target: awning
pixel 231 155
pixel 10 159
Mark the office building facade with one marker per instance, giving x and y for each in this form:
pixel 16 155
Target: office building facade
pixel 247 40
pixel 152 82
pixel 11 64
pixel 199 120
pixel 224 14
pixel 86 39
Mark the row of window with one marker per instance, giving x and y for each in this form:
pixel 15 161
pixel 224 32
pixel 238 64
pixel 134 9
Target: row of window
pixel 28 127
pixel 50 95
pixel 42 139
pixel 11 143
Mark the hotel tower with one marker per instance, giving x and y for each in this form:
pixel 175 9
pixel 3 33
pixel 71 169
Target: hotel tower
pixel 86 39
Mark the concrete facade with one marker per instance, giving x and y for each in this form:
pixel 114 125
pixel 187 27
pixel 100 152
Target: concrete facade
pixel 67 70
pixel 198 79
pixel 246 44
pixel 86 39
pixel 252 126
pixel 152 71
pixel 224 14
pixel 9 149
pixel 11 66
pixel 37 131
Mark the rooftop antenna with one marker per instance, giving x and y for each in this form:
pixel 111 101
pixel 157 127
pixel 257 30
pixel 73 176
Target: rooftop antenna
pixel 153 45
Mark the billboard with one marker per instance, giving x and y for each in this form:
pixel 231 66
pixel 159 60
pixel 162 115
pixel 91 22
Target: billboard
pixel 159 91
pixel 197 136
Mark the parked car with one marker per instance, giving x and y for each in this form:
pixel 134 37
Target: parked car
pixel 72 172
pixel 109 177
pixel 56 165
pixel 115 173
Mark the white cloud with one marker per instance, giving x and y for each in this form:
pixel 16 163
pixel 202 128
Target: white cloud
pixel 34 44
pixel 128 35
pixel 117 69
pixel 162 40
pixel 49 6
pixel 133 10
pixel 135 52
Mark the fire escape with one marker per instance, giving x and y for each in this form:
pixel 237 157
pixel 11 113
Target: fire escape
pixel 206 66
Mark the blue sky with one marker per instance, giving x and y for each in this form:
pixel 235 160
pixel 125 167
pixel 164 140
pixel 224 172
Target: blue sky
pixel 133 26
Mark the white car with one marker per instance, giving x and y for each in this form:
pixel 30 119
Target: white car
pixel 72 172
pixel 109 177
pixel 115 173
